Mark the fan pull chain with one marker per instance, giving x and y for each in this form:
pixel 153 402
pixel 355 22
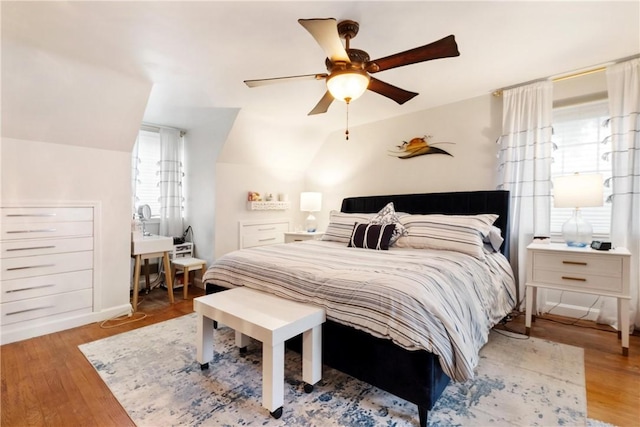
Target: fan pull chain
pixel 346 132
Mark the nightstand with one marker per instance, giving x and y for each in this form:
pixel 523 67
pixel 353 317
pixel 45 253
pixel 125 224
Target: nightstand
pixel 299 236
pixel 560 267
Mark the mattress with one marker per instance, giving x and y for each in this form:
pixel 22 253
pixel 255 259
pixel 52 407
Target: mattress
pixel 444 302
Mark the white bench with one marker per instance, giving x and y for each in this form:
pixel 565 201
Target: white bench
pixel 271 320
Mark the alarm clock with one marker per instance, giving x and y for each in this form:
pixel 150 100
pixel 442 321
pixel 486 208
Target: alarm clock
pixel 600 246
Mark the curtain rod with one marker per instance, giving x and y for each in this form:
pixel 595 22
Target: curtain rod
pixel 560 77
pixel 154 127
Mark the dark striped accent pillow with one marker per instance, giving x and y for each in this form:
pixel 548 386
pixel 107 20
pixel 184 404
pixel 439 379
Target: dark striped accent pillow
pixel 371 236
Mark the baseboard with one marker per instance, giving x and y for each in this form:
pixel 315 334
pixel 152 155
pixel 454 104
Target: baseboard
pixel 13 333
pixel 573 311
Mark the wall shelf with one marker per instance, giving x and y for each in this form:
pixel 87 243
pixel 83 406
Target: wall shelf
pixel 268 206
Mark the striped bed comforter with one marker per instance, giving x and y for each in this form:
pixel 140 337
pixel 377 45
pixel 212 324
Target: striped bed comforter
pixel 441 301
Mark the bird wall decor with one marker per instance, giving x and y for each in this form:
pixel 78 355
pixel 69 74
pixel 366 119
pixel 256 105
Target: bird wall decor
pixel 418 147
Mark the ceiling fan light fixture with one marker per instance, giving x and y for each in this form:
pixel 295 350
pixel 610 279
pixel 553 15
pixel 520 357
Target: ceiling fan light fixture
pixel 347 85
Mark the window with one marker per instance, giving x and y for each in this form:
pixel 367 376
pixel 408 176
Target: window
pixel 578 133
pixel 146 160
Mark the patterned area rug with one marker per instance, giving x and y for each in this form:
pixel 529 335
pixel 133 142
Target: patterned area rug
pixel 153 373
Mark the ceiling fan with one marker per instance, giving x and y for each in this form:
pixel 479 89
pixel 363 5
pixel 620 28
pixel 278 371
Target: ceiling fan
pixel 349 69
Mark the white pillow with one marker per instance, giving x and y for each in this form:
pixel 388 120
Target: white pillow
pixel 460 233
pixel 494 239
pixel 341 225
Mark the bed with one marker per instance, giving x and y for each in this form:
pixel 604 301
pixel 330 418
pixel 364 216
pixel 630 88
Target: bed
pixel 403 353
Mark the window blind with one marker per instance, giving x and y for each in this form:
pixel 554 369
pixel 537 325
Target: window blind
pixel 147 188
pixel 578 134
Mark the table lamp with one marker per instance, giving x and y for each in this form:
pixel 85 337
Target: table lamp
pixel 577 191
pixel 310 202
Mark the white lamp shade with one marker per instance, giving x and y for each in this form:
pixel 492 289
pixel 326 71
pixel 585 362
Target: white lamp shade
pixel 578 191
pixel 310 202
pixel 347 85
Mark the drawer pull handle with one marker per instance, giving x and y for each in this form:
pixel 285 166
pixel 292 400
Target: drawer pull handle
pixel 31 248
pixel 579 279
pixel 574 262
pixel 43 230
pixel 30 215
pixel 29 309
pixel 30 288
pixel 30 266
pixel 266 240
pixel 266 229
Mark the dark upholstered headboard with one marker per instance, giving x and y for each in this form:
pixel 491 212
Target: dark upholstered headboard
pixel 454 203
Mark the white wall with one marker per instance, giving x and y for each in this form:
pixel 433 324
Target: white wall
pixel 203 142
pixel 233 182
pixel 363 166
pixel 40 171
pixel 47 96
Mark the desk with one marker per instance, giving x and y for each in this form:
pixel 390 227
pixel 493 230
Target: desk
pixel 144 248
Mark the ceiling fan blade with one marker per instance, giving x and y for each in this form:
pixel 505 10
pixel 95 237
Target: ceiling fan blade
pixel 385 89
pixel 323 105
pixel 264 82
pixel 442 48
pixel 325 31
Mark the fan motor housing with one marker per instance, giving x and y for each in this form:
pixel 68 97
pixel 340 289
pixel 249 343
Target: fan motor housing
pixel 358 60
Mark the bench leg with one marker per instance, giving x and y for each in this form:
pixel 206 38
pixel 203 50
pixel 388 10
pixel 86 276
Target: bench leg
pixel 204 340
pixel 242 341
pixel 312 356
pixel 273 377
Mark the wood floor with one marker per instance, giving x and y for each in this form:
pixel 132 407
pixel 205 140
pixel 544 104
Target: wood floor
pixel 46 381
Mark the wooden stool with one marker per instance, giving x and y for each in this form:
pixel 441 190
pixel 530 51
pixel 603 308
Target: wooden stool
pixel 186 264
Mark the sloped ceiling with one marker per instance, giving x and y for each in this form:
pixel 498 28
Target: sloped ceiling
pixel 68 63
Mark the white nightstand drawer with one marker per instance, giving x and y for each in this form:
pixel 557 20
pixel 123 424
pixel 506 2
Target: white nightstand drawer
pixel 578 281
pixel 45 214
pixel 20 248
pixel 34 308
pixel 34 287
pixel 262 239
pixel 16 268
pixel 262 232
pixel 269 228
pixel 578 263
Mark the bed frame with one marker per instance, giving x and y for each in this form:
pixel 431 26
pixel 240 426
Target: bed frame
pixel 415 376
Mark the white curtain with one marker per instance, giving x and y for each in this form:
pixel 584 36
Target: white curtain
pixel 170 182
pixel 525 167
pixel 135 160
pixel 623 84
